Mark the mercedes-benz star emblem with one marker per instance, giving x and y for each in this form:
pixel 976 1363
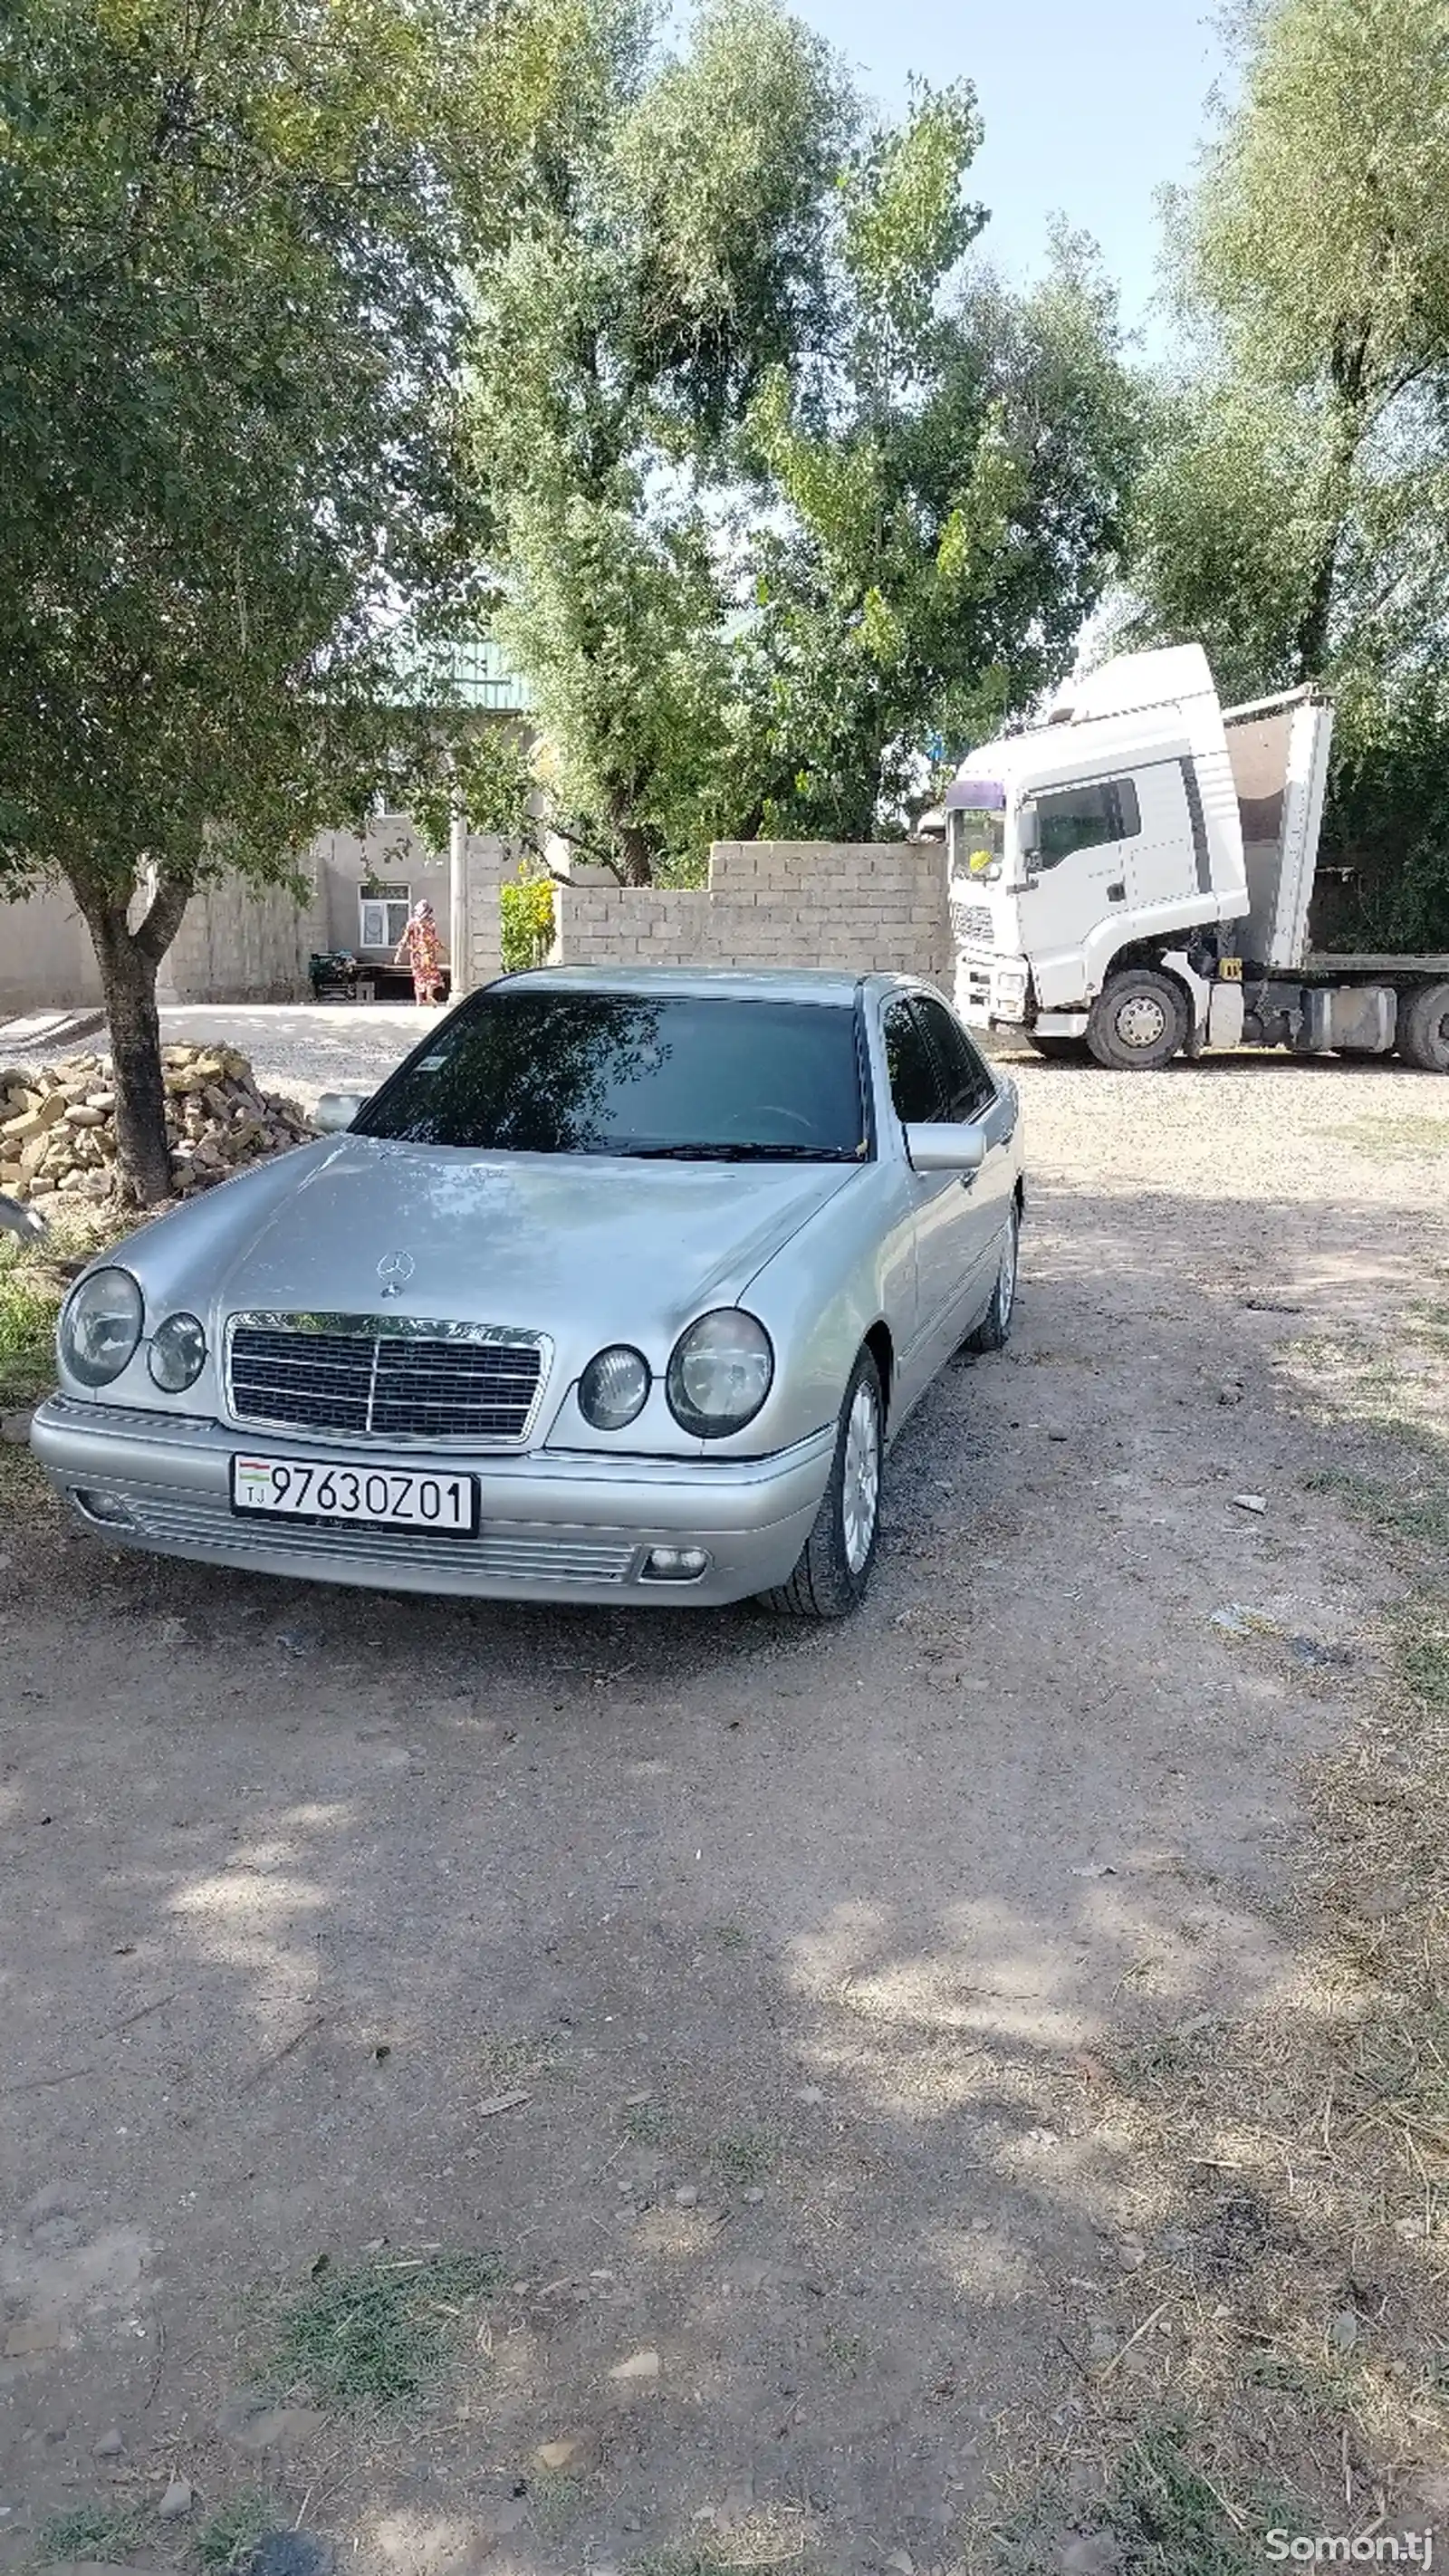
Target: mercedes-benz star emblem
pixel 395 1270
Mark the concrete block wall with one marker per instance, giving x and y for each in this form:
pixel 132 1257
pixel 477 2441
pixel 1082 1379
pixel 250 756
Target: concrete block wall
pixel 869 907
pixel 238 946
pixel 486 861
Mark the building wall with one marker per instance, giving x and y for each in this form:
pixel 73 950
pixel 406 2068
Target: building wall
pixel 872 907
pixel 46 955
pixel 390 853
pixel 239 946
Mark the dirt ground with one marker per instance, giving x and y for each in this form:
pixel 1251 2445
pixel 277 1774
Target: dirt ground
pixel 743 1987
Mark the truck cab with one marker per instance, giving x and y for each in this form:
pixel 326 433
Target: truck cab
pixel 1109 829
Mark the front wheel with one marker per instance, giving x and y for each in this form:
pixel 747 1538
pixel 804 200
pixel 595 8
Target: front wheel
pixel 1138 1023
pixel 837 1558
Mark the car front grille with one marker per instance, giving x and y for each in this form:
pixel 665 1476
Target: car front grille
pixel 385 1379
pixel 187 1521
pixel 972 921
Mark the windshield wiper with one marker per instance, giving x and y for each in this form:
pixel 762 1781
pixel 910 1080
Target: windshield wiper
pixel 738 1153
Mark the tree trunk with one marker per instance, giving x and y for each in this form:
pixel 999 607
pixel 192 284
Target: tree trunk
pixel 635 855
pixel 1347 424
pixel 128 960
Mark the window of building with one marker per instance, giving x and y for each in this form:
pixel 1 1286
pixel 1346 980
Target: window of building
pixel 382 914
pixel 1083 818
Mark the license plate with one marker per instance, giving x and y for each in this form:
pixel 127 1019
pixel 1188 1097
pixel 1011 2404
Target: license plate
pixel 388 1497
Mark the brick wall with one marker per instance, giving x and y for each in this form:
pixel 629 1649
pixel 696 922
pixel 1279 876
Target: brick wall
pixel 866 906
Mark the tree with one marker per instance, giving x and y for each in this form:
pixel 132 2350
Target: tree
pixel 956 502
pixel 229 435
pixel 1292 515
pixel 762 515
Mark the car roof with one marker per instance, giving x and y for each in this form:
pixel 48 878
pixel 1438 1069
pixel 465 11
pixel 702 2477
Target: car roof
pixel 716 983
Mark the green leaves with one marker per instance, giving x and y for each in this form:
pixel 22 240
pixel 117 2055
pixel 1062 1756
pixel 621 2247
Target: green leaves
pixel 771 497
pixel 1292 516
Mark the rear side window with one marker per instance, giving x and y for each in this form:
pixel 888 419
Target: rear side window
pixel 1083 818
pixel 969 1089
pixel 916 1092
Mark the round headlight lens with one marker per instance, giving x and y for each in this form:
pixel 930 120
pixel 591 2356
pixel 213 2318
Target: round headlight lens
pixel 177 1354
pixel 100 1326
pixel 614 1387
pixel 720 1373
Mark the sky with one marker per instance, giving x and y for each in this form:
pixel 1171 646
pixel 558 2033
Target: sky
pixel 1089 105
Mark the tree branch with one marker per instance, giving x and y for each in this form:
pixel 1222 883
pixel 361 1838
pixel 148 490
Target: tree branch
pixel 174 890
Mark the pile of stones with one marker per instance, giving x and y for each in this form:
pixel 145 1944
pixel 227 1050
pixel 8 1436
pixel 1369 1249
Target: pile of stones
pixel 58 1123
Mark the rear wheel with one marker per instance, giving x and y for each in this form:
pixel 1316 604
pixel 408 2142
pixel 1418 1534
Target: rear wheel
pixel 1138 1023
pixel 1424 1029
pixel 837 1558
pixel 994 1330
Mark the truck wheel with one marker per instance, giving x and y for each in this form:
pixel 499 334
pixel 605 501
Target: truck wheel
pixel 1138 1023
pixel 837 1558
pixel 1424 1029
pixel 1056 1050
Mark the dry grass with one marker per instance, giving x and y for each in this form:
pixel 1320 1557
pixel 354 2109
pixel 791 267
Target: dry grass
pixel 1282 2352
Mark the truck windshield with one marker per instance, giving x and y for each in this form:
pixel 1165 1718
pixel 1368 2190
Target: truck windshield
pixel 536 1070
pixel 977 841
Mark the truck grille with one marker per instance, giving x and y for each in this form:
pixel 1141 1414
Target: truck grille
pixel 972 921
pixel 365 1378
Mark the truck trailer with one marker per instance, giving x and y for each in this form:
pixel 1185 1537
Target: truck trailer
pixel 1132 879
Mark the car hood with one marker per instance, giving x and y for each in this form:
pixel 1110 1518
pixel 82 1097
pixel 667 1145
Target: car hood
pixel 551 1242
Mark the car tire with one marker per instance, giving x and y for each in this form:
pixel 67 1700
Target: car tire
pixel 837 1559
pixel 1138 1023
pixel 1056 1050
pixel 1424 1029
pixel 994 1330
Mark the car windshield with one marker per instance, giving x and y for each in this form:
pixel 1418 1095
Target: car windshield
pixel 529 1070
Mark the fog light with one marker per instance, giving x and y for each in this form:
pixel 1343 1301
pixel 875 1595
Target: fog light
pixel 101 1505
pixel 675 1564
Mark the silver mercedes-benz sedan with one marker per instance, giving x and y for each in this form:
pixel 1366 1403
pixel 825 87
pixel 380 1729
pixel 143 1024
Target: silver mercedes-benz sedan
pixel 617 1290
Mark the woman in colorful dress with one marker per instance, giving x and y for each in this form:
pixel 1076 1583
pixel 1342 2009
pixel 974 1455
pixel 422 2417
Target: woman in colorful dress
pixel 422 946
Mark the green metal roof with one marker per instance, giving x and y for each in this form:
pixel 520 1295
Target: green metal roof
pixel 470 672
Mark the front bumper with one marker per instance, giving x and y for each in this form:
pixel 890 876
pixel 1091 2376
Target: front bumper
pixel 554 1526
pixel 991 990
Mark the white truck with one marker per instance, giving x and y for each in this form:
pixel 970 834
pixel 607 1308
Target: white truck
pixel 1133 876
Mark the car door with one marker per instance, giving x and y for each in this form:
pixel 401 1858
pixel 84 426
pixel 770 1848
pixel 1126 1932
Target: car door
pixel 973 1095
pixel 951 1236
pixel 1076 877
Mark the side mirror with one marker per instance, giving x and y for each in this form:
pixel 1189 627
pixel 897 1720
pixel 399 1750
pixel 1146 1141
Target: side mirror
pixel 1028 832
pixel 336 1110
pixel 27 1222
pixel 937 1147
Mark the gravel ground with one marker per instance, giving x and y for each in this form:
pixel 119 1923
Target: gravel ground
pixel 740 1985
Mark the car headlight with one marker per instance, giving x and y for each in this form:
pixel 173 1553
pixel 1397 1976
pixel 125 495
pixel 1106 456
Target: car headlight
pixel 720 1373
pixel 100 1326
pixel 614 1387
pixel 177 1354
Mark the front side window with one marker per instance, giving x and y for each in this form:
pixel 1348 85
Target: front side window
pixel 917 1095
pixel 382 913
pixel 976 840
pixel 969 1088
pixel 545 1071
pixel 1084 818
